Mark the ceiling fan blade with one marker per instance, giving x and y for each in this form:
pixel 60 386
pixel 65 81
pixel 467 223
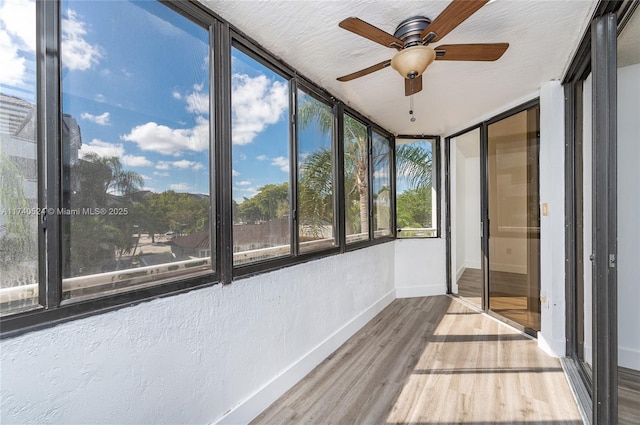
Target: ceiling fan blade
pixel 366 30
pixel 365 71
pixel 471 52
pixel 451 17
pixel 412 86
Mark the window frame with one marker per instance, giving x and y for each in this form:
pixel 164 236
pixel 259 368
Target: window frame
pixel 52 310
pixel 302 85
pixel 436 160
pixel 223 37
pixel 370 128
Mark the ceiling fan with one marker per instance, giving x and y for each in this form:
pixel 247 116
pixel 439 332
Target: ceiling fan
pixel 412 37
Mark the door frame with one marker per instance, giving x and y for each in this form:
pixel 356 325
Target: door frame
pixel 484 205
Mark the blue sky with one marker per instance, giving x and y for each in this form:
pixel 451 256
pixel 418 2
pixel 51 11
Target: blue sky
pixel 135 77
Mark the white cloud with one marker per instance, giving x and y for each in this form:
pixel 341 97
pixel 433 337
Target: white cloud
pixel 256 103
pixel 136 161
pixel 106 149
pixel 176 94
pixel 100 98
pixel 126 73
pixel 182 164
pixel 281 162
pixel 13 67
pixel 17 17
pixel 198 102
pixel 102 119
pixel 235 173
pixel 261 157
pixel 179 187
pixel 101 148
pixel 17 34
pixel 77 53
pixel 244 183
pixel 157 173
pixel 168 141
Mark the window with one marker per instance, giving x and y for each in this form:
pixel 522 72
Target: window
pixel 108 153
pixel 416 188
pixel 381 159
pixel 136 196
pixel 316 206
pixel 261 162
pixel 19 213
pixel 356 179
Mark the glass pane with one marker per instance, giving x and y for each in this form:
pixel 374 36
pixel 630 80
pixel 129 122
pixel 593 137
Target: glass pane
pixel 628 212
pixel 356 180
pixel 260 126
pixel 315 174
pixel 584 206
pixel 416 199
pixel 381 159
pixel 466 232
pixel 514 230
pixel 19 212
pixel 135 146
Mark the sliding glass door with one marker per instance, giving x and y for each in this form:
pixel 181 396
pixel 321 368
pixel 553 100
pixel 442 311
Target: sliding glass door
pixel 494 216
pixel 514 219
pixel 466 229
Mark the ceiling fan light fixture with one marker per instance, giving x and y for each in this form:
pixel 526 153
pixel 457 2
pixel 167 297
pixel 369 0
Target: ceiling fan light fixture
pixel 413 61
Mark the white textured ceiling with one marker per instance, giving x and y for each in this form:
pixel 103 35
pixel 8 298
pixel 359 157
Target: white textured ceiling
pixel 543 36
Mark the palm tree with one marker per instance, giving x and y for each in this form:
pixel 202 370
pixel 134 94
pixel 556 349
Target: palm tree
pixel 18 229
pixel 101 182
pixel 412 162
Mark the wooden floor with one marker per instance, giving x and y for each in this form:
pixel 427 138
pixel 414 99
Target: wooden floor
pixel 431 361
pixel 508 295
pixel 628 396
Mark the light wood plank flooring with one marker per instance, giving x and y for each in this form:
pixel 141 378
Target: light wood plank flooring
pixel 508 295
pixel 628 396
pixel 431 361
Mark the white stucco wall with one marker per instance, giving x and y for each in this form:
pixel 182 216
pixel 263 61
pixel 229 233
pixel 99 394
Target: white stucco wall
pixel 420 268
pixel 628 216
pixel 199 357
pixel 551 337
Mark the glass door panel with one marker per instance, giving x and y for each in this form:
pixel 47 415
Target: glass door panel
pixel 628 211
pixel 514 219
pixel 466 232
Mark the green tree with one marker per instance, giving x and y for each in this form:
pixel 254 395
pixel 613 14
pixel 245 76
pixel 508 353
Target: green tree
pixel 18 230
pixel 271 202
pixel 92 240
pixel 413 208
pixel 315 188
pixel 413 163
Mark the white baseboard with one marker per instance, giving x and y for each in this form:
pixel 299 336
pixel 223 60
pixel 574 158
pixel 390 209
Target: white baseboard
pixel 247 410
pixel 460 272
pixel 508 268
pixel 552 347
pixel 629 358
pixel 472 265
pixel 421 291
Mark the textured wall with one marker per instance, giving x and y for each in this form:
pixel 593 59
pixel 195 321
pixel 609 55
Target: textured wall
pixel 552 334
pixel 193 357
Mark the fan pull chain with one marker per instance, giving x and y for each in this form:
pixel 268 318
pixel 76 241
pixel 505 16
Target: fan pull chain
pixel 412 119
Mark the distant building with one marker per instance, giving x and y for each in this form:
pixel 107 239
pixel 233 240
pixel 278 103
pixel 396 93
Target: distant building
pixel 195 245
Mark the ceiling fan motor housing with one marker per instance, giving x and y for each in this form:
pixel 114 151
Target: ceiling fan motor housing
pixel 410 29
